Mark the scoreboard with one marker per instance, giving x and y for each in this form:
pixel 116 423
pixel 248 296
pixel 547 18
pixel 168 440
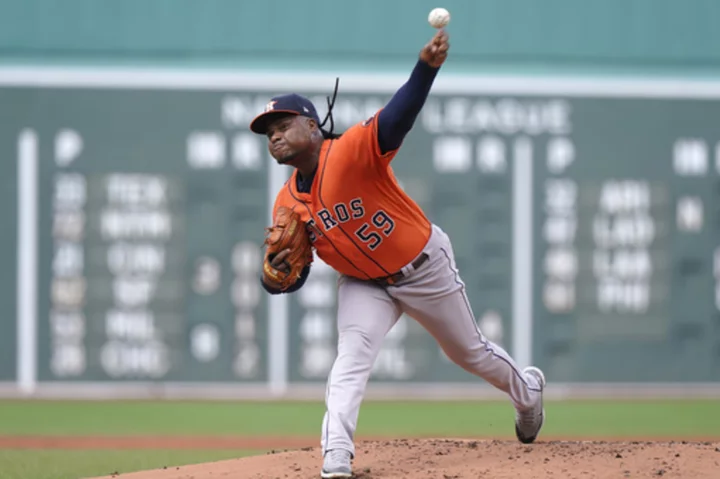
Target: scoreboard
pixel 584 214
pixel 627 231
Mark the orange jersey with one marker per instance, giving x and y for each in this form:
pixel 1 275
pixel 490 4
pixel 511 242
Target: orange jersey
pixel 360 221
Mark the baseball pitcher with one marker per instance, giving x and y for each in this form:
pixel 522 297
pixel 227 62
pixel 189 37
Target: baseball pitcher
pixel 344 202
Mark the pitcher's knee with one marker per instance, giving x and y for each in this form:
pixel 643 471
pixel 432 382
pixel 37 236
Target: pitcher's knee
pixel 356 344
pixel 355 356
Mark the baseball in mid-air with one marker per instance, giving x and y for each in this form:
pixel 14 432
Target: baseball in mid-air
pixel 439 17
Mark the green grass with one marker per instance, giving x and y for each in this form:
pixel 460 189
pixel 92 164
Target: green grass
pixel 61 464
pixel 573 418
pixel 599 419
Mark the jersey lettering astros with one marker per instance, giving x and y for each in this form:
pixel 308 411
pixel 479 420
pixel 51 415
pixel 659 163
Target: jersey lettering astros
pixel 360 221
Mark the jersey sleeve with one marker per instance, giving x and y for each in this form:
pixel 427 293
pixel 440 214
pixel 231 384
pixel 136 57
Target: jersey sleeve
pixel 281 199
pixel 363 139
pixel 278 203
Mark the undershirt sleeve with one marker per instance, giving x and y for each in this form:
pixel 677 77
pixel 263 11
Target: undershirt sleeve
pixel 396 119
pixel 298 284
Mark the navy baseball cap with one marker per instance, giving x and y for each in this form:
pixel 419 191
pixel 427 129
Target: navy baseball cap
pixel 292 104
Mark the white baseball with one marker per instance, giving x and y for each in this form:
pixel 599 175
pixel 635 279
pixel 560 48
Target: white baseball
pixel 439 17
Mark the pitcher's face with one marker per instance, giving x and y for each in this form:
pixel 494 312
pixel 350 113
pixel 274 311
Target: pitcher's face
pixel 290 137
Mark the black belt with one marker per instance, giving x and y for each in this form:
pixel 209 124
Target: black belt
pixel 394 278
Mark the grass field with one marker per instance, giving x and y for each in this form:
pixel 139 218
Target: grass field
pixel 73 464
pixel 566 419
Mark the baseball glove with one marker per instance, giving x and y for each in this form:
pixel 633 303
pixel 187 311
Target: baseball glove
pixel 288 232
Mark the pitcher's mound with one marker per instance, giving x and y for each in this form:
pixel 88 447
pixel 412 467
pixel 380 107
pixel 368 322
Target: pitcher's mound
pixel 456 459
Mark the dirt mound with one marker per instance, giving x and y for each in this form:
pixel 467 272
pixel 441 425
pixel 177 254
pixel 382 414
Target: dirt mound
pixel 456 459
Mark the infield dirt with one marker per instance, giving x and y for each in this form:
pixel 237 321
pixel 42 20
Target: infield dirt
pixel 300 458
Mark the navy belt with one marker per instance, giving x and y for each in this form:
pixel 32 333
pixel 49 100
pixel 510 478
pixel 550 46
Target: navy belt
pixel 394 278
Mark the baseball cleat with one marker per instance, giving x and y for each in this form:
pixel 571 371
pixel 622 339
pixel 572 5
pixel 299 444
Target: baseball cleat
pixel 336 464
pixel 528 423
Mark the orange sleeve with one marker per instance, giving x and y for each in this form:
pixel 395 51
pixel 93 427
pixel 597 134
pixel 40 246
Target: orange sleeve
pixel 277 203
pixel 363 138
pixel 280 200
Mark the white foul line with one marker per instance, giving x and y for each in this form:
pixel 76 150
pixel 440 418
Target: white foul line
pixel 27 284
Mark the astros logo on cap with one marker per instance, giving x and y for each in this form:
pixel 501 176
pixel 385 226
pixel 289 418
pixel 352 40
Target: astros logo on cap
pixel 270 105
